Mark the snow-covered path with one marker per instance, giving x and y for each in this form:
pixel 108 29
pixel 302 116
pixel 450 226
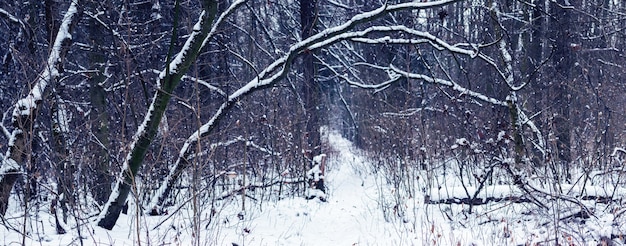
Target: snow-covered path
pixel 352 215
pixel 348 217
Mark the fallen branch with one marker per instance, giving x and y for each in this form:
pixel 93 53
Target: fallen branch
pixel 508 193
pixel 477 201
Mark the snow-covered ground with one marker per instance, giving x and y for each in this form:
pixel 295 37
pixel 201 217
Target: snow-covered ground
pixel 361 209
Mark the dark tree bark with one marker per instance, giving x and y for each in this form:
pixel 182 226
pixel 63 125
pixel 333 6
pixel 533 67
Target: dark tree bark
pixel 563 61
pixel 26 109
pixel 311 89
pixel 99 117
pixel 148 129
pixel 65 169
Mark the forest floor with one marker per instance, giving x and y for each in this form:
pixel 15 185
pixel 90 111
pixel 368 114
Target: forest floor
pixel 361 209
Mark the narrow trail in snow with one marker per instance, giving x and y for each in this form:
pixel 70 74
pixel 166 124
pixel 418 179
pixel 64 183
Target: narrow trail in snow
pixel 350 216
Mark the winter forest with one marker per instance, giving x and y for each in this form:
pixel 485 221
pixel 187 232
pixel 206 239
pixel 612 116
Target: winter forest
pixel 321 122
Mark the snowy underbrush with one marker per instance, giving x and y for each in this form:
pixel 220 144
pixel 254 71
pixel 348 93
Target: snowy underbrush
pixel 369 200
pixel 475 200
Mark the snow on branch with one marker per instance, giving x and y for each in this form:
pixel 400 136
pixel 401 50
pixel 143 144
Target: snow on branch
pixel 221 19
pixel 396 73
pixel 277 70
pixel 423 37
pixel 167 80
pixel 412 111
pixel 25 109
pixel 4 130
pixel 12 18
pixel 540 144
pixel 326 36
pixel 179 60
pixel 174 66
pixel 509 78
pixel 448 83
pixel 361 85
pixel 497 193
pixel 239 139
pixel 505 52
pixel 9 166
pixel 616 150
pixel 25 106
pixel 200 82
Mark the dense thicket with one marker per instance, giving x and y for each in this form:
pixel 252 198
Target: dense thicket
pixel 536 86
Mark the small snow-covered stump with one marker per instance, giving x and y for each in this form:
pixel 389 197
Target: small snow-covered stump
pixel 315 177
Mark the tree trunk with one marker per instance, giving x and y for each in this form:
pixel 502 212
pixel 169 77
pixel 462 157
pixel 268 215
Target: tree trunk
pixel 65 169
pixel 99 118
pixel 273 73
pixel 311 88
pixel 168 80
pixel 25 110
pixel 157 200
pixel 563 60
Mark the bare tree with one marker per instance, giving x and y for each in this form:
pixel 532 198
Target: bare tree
pixel 168 80
pixel 25 110
pixel 415 83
